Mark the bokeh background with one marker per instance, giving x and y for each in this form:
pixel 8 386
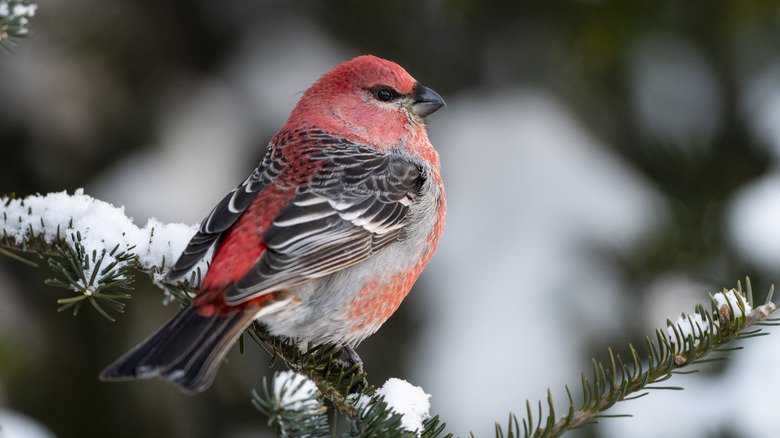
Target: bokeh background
pixel 607 165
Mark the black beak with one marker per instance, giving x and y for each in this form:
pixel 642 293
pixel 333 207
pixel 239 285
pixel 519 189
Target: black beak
pixel 426 101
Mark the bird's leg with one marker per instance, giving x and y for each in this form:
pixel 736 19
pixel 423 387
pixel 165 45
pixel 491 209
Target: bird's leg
pixel 353 357
pixel 352 361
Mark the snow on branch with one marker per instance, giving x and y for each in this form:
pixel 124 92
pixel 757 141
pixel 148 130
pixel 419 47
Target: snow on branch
pixel 14 20
pixel 692 340
pixel 293 407
pixel 95 249
pixel 100 245
pixel 411 402
pixel 400 409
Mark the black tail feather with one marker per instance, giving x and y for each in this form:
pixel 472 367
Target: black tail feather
pixel 186 351
pixel 199 245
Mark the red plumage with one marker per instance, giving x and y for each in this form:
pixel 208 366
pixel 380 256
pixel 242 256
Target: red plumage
pixel 325 238
pixel 240 248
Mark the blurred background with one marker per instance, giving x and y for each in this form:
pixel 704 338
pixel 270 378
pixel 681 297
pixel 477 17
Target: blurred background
pixel 607 164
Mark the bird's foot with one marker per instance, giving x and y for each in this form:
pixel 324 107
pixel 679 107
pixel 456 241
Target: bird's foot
pixel 354 365
pixel 354 359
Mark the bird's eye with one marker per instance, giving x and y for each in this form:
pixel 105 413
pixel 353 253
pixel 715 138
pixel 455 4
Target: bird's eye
pixel 384 94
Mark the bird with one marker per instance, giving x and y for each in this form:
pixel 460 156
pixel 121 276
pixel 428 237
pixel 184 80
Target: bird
pixel 323 240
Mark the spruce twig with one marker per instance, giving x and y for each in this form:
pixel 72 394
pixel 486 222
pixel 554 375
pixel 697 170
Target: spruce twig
pixel 81 272
pixel 95 273
pixel 14 21
pixel 292 406
pixel 689 343
pixel 88 245
pixel 334 380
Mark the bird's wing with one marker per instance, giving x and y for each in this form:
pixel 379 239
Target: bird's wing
pixel 356 203
pixel 225 214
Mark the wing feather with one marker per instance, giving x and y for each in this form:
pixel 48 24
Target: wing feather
pixel 356 204
pixel 225 214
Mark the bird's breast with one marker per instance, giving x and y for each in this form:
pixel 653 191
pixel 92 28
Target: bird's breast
pixel 351 304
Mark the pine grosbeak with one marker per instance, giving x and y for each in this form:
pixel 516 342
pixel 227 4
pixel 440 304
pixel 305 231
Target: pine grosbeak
pixel 324 239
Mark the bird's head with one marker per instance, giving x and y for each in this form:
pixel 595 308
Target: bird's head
pixel 370 100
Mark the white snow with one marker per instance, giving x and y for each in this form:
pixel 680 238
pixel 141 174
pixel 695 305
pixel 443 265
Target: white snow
pixel 411 401
pixel 16 15
pixel 16 425
pixel 746 395
pixel 408 400
pixel 695 325
pixel 734 300
pixel 688 325
pixel 21 10
pixel 295 391
pixel 102 227
pixel 753 219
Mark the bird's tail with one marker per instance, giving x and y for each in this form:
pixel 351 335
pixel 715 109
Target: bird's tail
pixel 186 351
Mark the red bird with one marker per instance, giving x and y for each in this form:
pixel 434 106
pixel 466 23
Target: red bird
pixel 324 239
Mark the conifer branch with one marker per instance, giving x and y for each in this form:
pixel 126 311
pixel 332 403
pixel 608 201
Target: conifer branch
pixel 293 402
pixel 334 379
pixel 95 251
pixel 292 406
pixel 91 279
pixel 92 247
pixel 687 342
pixel 14 20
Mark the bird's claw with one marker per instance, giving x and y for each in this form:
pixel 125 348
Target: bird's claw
pixel 354 365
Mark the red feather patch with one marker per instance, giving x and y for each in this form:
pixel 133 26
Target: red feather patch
pixel 243 244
